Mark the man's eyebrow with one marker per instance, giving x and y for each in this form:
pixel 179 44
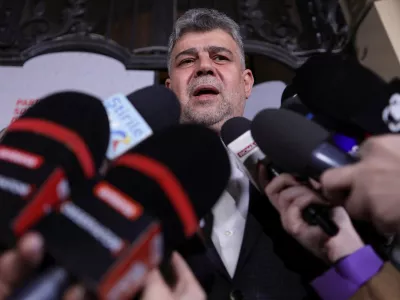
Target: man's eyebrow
pixel 218 49
pixel 211 49
pixel 190 51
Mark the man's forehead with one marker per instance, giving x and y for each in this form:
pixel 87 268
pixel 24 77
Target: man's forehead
pixel 205 41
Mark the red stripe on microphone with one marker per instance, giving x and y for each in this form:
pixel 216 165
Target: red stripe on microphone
pixel 45 199
pixel 170 185
pixel 61 134
pixel 118 283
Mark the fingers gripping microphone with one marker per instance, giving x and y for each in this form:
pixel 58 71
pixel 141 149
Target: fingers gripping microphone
pixel 299 147
pixel 137 116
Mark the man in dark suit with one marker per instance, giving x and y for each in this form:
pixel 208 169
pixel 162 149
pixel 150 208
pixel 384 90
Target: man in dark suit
pixel 248 255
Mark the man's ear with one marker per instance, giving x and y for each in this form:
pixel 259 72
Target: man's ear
pixel 248 82
pixel 168 83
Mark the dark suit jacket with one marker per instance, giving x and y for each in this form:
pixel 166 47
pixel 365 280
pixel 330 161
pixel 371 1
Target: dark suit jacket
pixel 271 265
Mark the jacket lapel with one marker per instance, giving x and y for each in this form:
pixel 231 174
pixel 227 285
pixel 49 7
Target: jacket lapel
pixel 250 237
pixel 214 257
pixel 211 252
pixel 253 229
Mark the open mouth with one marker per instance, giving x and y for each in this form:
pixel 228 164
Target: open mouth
pixel 206 90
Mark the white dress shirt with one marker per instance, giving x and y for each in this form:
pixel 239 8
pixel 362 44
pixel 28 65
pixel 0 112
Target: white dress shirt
pixel 230 214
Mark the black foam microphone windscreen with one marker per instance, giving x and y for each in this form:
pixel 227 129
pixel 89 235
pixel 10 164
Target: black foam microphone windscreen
pixel 299 145
pixel 137 116
pixel 346 91
pixel 180 172
pixel 48 153
pixel 69 129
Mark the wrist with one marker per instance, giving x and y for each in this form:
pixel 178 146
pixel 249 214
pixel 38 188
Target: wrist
pixel 341 246
pixel 344 279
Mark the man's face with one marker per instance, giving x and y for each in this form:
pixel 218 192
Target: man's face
pixel 208 78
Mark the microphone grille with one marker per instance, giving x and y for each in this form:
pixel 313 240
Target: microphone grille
pixel 287 138
pixel 233 128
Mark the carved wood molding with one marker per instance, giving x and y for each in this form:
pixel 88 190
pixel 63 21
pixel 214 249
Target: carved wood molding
pixel 286 30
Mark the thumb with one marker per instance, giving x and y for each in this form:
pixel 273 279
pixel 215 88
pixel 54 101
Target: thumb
pixel 155 287
pixel 337 182
pixel 341 217
pixel 262 176
pixel 31 248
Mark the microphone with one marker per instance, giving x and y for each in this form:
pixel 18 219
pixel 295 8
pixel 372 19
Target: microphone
pixel 69 129
pixel 49 153
pixel 291 101
pixel 299 147
pixel 135 117
pixel 156 176
pixel 347 92
pixel 345 136
pixel 236 135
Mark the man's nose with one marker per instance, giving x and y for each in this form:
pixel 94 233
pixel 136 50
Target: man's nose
pixel 205 67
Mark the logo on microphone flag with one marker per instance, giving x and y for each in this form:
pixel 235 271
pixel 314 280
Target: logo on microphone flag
pixel 119 136
pixel 391 114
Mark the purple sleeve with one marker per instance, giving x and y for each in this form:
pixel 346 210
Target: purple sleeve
pixel 344 279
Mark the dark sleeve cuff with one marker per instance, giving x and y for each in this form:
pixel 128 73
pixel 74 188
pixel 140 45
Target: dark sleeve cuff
pixel 344 279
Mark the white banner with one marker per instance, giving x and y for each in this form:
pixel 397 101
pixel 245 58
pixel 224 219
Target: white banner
pixel 264 95
pixel 90 73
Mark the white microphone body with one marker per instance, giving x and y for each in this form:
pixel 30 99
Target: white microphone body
pixel 248 155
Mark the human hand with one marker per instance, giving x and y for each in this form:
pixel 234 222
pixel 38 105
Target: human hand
pixel 186 287
pixel 369 189
pixel 290 198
